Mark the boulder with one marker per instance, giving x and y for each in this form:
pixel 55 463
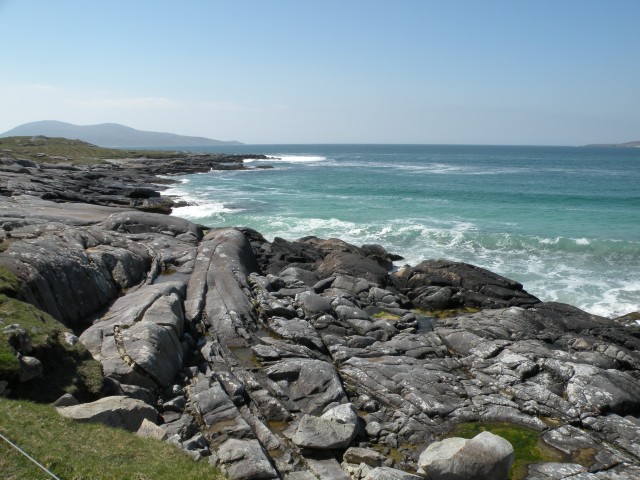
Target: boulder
pixel 151 430
pixel 245 460
pixel 358 455
pixel 486 456
pixel 66 400
pixel 442 284
pixel 138 339
pixel 311 385
pixel 144 222
pixel 218 289
pixel 354 265
pixel 595 390
pixel 117 412
pixel 345 413
pixel 30 368
pixel 323 433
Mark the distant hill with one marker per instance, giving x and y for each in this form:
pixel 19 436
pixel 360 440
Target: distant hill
pixel 111 135
pixel 621 145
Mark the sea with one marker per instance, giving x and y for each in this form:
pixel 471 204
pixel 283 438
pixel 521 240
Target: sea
pixel 563 221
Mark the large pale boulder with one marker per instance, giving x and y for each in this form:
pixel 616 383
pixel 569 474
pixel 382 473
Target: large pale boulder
pixel 486 456
pixel 117 411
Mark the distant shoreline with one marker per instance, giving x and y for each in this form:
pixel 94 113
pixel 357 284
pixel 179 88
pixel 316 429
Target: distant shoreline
pixel 635 144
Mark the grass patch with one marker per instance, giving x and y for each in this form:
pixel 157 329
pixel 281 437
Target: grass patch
pixel 83 451
pixel 527 444
pixel 9 283
pixel 63 150
pixel 386 316
pixel 66 368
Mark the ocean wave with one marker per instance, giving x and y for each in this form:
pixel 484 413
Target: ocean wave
pixel 289 159
pixel 204 210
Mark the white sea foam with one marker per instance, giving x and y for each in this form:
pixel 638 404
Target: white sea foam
pixel 561 264
pixel 289 159
pixel 203 210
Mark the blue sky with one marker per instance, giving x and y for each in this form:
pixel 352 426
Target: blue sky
pixel 351 71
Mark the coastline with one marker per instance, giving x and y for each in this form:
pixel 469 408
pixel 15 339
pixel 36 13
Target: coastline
pixel 561 221
pixel 281 333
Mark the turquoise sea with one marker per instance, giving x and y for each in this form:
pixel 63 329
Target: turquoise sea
pixel 564 221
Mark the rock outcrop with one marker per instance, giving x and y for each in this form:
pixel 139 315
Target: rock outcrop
pixel 484 456
pixel 313 358
pixel 117 412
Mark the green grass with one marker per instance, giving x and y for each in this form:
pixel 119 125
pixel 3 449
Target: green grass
pixel 63 150
pixel 528 447
pixel 83 451
pixel 9 283
pixel 383 315
pixel 66 368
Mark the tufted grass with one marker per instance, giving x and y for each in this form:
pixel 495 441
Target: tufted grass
pixel 66 368
pixel 84 451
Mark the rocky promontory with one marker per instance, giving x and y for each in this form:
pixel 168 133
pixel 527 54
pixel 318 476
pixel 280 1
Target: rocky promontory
pixel 296 359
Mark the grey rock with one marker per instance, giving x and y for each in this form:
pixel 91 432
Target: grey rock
pixel 484 456
pixel 292 275
pixel 354 265
pixel 298 331
pixel 314 304
pixel 592 389
pixel 388 473
pixel 18 338
pixel 325 465
pixel 245 459
pixel 344 413
pixel 464 284
pixel 217 410
pixel 357 455
pixel 151 430
pixel 69 273
pixel 118 412
pixel 66 400
pixel 321 433
pixel 145 222
pixel 302 475
pixel 183 428
pixel 310 384
pixel 351 313
pixel 30 368
pixel 224 293
pixel 556 471
pixel 137 339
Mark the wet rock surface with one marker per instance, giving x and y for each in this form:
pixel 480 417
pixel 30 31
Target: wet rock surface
pixel 313 358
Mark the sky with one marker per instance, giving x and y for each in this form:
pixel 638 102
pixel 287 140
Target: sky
pixel 526 72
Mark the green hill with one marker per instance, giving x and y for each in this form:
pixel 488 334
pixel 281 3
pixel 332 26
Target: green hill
pixel 111 135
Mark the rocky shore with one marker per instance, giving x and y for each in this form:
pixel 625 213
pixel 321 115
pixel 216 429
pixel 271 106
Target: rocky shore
pixel 297 359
